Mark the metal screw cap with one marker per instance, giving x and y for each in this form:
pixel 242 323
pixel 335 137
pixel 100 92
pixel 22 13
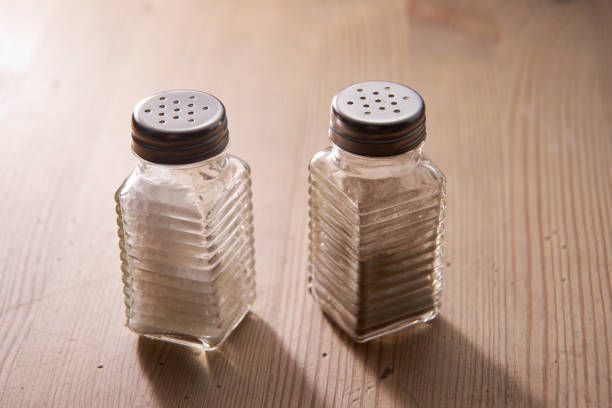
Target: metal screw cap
pixel 377 118
pixel 179 127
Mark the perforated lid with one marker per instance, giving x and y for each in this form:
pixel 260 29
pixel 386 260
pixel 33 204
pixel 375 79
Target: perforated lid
pixel 179 127
pixel 377 118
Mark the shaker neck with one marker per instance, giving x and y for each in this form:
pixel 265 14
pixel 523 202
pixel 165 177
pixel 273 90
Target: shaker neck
pixel 408 159
pixel 219 161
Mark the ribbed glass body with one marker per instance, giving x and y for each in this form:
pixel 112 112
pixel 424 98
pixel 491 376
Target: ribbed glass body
pixel 376 232
pixel 186 240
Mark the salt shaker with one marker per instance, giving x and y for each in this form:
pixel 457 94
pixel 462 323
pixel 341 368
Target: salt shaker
pixel 376 214
pixel 185 223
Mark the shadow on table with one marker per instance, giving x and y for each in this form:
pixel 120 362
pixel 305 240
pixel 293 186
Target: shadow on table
pixel 434 364
pixel 242 372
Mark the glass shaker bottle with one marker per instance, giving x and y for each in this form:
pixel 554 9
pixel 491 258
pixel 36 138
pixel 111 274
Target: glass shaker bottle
pixel 376 214
pixel 185 223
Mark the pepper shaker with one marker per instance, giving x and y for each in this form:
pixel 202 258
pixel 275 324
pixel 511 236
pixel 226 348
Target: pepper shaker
pixel 376 213
pixel 185 223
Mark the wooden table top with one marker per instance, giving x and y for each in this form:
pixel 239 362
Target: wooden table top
pixel 519 104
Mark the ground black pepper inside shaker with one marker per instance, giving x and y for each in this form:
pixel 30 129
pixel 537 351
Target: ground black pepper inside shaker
pixel 376 214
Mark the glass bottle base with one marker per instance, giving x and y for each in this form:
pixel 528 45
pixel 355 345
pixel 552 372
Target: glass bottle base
pixel 204 343
pixel 392 328
pixel 363 336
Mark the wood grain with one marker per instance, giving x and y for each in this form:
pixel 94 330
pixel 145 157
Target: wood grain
pixel 519 99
